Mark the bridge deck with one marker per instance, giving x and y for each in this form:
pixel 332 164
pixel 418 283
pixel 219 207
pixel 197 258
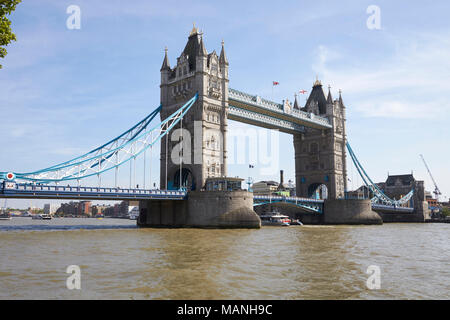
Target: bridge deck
pixel 270 113
pixel 26 191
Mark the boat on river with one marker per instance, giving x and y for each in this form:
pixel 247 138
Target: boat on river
pixel 41 216
pixel 275 219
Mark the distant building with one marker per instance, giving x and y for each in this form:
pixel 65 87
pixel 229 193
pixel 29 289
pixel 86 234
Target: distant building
pixel 68 209
pixel 398 186
pixel 85 208
pixel 274 188
pixel 264 187
pixel 99 209
pixel 118 210
pixel 50 208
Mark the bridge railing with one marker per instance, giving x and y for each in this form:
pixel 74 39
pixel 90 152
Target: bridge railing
pixel 394 208
pixel 254 116
pixel 18 187
pixel 299 199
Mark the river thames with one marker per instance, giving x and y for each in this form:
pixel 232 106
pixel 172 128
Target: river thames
pixel 119 261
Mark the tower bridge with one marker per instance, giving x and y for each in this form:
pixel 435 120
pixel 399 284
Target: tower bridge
pixel 196 98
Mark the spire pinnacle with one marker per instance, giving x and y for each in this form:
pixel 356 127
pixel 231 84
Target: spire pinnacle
pixel 317 82
pixel 295 102
pixel 166 64
pixel 329 98
pixel 194 30
pixel 223 58
pixel 340 98
pixel 202 50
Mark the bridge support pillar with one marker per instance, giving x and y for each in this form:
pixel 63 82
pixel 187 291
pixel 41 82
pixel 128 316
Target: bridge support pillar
pixel 350 211
pixel 201 209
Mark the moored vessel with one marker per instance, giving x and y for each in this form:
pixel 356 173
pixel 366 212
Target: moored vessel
pixel 275 219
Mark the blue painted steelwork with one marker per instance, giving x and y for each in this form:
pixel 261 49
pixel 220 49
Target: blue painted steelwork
pixel 262 120
pixel 380 196
pixel 377 206
pixel 111 155
pixel 312 205
pixel 26 190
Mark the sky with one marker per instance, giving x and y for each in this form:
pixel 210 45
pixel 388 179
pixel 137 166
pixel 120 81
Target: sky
pixel 66 91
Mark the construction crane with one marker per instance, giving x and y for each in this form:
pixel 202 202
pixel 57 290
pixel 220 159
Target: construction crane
pixel 436 191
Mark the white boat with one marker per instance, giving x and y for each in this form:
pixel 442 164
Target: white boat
pixel 275 219
pixel 134 213
pixel 42 216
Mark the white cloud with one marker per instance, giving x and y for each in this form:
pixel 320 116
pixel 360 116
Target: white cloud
pixel 410 84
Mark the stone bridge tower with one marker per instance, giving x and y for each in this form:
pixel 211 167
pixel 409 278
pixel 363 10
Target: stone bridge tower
pixel 320 157
pixel 204 153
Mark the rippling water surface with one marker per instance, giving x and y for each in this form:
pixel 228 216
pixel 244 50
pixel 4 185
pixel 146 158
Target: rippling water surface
pixel 120 261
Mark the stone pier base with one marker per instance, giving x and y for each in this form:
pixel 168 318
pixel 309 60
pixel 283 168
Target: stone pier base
pixel 350 211
pixel 202 209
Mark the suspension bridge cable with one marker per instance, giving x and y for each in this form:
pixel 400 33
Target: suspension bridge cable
pixel 98 160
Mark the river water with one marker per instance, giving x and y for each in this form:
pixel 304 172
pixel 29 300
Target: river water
pixel 119 261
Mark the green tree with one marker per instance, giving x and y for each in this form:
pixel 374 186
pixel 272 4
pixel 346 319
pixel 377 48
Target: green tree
pixel 446 212
pixel 6 34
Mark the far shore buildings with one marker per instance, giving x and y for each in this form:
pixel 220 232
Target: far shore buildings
pixel 86 209
pixel 274 188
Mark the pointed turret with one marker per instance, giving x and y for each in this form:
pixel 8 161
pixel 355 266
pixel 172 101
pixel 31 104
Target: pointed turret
pixel 329 98
pixel 341 102
pixel 296 103
pixel 317 96
pixel 166 64
pixel 223 58
pixel 202 50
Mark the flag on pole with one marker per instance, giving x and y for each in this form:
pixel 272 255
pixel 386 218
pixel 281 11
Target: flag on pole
pixel 275 83
pixel 303 91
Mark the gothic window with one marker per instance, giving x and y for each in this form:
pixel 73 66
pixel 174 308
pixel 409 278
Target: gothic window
pixel 184 70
